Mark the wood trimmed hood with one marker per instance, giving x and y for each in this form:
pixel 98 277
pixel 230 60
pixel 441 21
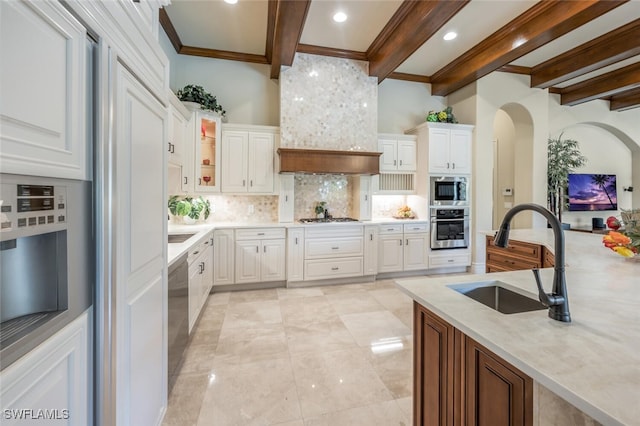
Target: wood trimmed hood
pixel 329 162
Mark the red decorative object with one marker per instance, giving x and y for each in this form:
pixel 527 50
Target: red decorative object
pixel 613 223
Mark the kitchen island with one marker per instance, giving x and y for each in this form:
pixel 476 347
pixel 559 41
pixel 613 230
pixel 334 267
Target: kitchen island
pixel 593 363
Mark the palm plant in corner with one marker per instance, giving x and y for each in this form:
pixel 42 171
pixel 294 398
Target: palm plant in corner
pixel 563 157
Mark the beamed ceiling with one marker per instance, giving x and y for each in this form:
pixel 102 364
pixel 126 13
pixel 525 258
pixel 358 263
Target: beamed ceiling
pixel 582 50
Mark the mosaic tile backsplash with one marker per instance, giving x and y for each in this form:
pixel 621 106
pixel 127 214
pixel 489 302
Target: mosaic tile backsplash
pixel 335 190
pixel 236 208
pixel 328 103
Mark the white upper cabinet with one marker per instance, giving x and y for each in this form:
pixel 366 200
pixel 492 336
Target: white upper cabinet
pixel 207 152
pixel 179 118
pixel 248 159
pixel 449 149
pixel 398 153
pixel 43 84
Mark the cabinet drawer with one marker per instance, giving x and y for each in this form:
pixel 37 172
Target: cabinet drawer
pixel 333 247
pixel 450 260
pixel 395 228
pixel 333 231
pixel 260 233
pixel 519 248
pixel 513 263
pixel 415 228
pixel 333 268
pixel 548 258
pixel 197 249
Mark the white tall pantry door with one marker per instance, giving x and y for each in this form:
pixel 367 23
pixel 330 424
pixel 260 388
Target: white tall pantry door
pixel 140 280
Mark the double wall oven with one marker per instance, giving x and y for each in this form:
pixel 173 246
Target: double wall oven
pixel 449 212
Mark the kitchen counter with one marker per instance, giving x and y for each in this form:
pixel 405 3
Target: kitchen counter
pixel 592 362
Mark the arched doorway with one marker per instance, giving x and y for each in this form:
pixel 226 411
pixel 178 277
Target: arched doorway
pixel 513 163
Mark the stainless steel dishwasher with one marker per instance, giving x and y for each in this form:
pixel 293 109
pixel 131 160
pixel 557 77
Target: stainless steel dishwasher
pixel 178 330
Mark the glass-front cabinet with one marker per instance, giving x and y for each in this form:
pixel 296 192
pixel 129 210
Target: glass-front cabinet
pixel 207 153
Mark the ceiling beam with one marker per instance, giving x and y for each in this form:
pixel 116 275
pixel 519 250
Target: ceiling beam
pixel 272 10
pixel 330 51
pixel 543 22
pixel 612 47
pixel 410 27
pixel 289 22
pixel 409 77
pixel 625 100
pixel 223 54
pixel 170 30
pixel 611 83
pixel 515 69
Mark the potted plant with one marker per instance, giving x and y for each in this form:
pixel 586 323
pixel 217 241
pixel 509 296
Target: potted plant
pixel 193 93
pixel 191 209
pixel 563 157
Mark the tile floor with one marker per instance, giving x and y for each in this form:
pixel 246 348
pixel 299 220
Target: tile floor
pixel 333 355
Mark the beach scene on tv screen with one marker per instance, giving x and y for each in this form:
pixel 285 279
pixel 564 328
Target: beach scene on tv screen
pixel 592 192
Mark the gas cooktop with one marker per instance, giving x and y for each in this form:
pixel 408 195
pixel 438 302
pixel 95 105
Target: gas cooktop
pixel 327 220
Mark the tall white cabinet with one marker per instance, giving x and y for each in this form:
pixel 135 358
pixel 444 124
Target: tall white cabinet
pixel 449 147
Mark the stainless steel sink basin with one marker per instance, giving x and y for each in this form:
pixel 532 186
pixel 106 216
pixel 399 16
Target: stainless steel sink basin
pixel 179 238
pixel 496 295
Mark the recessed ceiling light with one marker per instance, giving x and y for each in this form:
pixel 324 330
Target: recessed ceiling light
pixel 340 17
pixel 231 1
pixel 450 35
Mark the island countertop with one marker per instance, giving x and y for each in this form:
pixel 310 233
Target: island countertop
pixel 592 362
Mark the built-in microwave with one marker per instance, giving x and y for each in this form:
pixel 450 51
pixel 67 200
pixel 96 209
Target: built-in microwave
pixel 449 191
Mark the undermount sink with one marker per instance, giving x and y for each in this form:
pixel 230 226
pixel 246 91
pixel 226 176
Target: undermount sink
pixel 496 295
pixel 179 238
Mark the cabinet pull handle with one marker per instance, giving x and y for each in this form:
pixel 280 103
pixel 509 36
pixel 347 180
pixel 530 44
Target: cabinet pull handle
pixel 169 149
pixel 394 162
pixel 447 165
pixel 185 180
pixel 449 260
pixel 251 182
pixel 199 181
pixel 296 240
pixel 401 162
pixel 370 237
pixel 286 198
pixel 260 233
pixel 264 249
pixel 206 243
pixel 407 242
pixel 335 268
pixel 196 252
pixel 366 197
pixel 173 148
pixel 244 182
pixel 389 229
pixel 335 248
pixel 454 165
pixel 257 249
pixel 400 241
pixel 211 240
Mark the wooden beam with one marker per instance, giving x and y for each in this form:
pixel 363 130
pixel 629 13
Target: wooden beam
pixel 223 54
pixel 611 83
pixel 614 46
pixel 410 77
pixel 625 100
pixel 410 27
pixel 272 10
pixel 515 69
pixel 330 51
pixel 290 17
pixel 170 30
pixel 543 22
pixel 555 90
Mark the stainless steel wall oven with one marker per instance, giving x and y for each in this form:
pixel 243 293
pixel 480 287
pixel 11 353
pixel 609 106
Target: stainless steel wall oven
pixel 449 227
pixel 46 259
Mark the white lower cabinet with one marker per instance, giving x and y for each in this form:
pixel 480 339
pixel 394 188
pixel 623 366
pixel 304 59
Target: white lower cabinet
pixel 295 254
pixel 333 252
pixel 200 260
pixel 403 247
pixel 223 257
pixel 449 258
pixel 53 380
pixel 260 255
pixel 371 249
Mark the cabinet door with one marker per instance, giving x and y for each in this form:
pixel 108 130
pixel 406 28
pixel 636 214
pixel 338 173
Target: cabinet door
pixel 223 257
pixel 370 250
pixel 406 156
pixel 363 204
pixel 433 369
pixel 460 151
pixel 272 267
pixel 207 153
pixel 43 83
pixel 496 392
pixel 248 261
pixel 390 253
pixel 439 151
pixel 389 157
pixel 260 162
pixel 195 285
pixel 295 254
pixel 177 132
pixel 207 275
pixel 234 161
pixel 415 251
pixel 286 206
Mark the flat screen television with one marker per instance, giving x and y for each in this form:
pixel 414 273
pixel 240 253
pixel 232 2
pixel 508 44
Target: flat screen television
pixel 592 192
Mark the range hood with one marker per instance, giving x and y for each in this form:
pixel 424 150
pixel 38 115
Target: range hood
pixel 321 161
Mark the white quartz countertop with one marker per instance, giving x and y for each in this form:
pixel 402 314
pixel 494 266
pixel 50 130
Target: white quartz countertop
pixel 592 362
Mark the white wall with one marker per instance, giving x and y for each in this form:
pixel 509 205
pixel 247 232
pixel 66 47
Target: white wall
pixel 505 135
pixel 402 105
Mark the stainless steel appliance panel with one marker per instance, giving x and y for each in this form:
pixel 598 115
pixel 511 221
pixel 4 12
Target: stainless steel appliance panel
pixel 449 191
pixel 178 321
pixel 449 227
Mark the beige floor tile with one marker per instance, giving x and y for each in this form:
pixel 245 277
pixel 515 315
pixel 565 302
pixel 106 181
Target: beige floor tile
pixel 290 293
pixel 252 344
pixel 198 359
pixel 253 295
pixel 212 317
pixel 337 380
pixel 293 423
pixel 355 302
pixel 406 405
pixel 321 336
pixel 371 327
pixel 203 336
pixel 343 288
pixel 252 314
pixel 185 400
pixel 258 393
pixel 307 310
pixel 406 316
pixel 392 299
pixel 218 298
pixel 383 414
pixel 392 360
